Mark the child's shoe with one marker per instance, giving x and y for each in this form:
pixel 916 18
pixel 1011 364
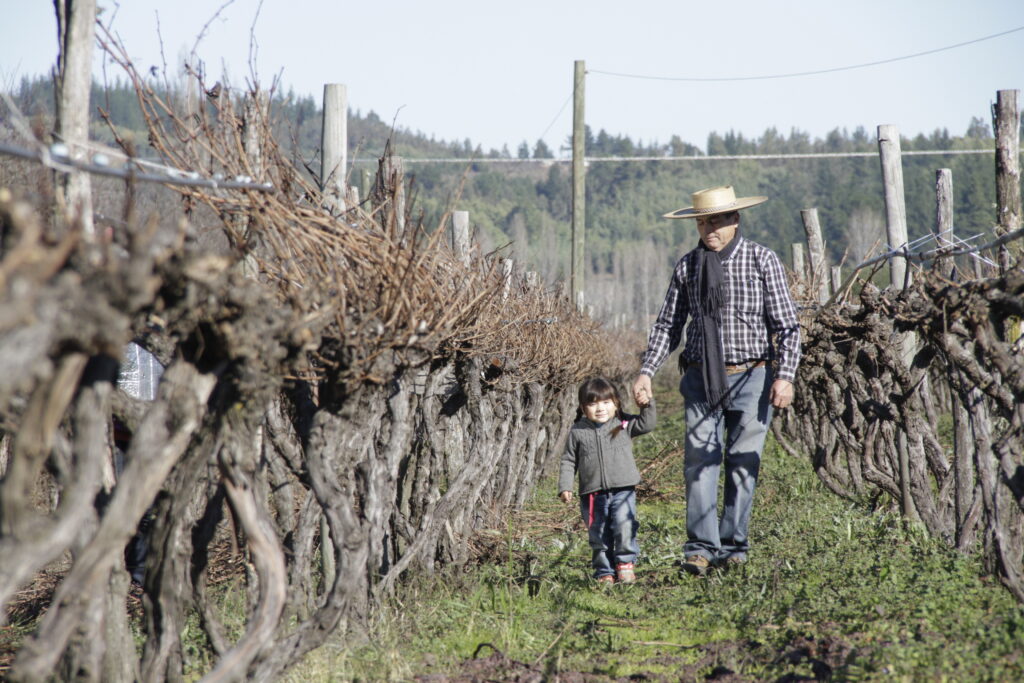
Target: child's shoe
pixel 624 572
pixel 605 579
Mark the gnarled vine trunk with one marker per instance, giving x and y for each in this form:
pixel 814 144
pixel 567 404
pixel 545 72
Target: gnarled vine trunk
pixel 960 404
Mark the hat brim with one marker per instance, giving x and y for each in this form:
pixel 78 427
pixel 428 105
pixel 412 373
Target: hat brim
pixel 740 203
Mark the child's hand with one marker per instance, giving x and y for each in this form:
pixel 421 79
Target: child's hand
pixel 566 496
pixel 642 391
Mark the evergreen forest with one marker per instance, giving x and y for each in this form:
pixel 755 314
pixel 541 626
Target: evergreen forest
pixel 521 202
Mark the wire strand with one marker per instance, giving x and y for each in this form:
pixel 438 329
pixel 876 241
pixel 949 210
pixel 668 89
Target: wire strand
pixel 710 157
pixel 806 73
pixel 55 158
pixel 564 105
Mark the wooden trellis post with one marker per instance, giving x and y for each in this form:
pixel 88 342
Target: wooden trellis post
pixel 334 145
pixel 333 153
pixel 800 263
pixel 507 266
pixel 76 28
pixel 460 235
pixel 899 275
pixel 254 111
pixel 578 188
pixel 944 215
pixel 837 279
pixel 365 183
pixel 1008 201
pixel 963 463
pixel 394 177
pixel 895 204
pixel 816 253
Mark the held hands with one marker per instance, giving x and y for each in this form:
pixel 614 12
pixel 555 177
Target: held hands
pixel 566 496
pixel 642 392
pixel 781 393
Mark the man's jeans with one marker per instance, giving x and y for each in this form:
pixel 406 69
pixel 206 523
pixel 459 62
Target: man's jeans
pixel 742 427
pixel 611 518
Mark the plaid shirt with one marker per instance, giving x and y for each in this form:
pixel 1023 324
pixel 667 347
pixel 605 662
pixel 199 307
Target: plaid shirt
pixel 758 310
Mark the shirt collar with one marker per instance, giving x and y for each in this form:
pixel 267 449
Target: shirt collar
pixel 738 239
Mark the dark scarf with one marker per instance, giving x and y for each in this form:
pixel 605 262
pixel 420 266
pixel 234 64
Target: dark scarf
pixel 712 293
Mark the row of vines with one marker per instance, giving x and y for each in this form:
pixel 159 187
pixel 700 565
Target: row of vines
pixel 345 400
pixel 915 398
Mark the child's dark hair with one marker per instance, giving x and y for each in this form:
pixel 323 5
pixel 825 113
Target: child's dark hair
pixel 599 389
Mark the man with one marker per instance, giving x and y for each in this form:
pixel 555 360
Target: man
pixel 739 362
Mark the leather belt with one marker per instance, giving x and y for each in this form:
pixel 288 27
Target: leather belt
pixel 743 367
pixel 733 369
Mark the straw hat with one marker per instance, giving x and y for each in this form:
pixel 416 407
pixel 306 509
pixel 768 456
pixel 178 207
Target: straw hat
pixel 715 200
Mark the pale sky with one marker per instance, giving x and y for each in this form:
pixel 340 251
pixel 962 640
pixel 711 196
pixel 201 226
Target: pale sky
pixel 500 73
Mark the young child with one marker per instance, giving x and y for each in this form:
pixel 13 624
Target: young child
pixel 600 449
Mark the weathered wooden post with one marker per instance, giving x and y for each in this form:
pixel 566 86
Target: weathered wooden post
pixel 366 183
pixel 944 216
pixel 507 266
pixel 253 112
pixel 394 180
pixel 333 153
pixel 334 145
pixel 460 235
pixel 1008 202
pixel 800 266
pixel 899 274
pixel 837 279
pixel 76 31
pixel 578 187
pixel 895 206
pixel 252 126
pixel 963 463
pixel 816 253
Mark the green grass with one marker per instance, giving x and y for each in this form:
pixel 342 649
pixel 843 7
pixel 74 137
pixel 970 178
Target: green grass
pixel 830 588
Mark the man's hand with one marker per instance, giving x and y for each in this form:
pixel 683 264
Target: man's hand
pixel 642 390
pixel 781 394
pixel 566 496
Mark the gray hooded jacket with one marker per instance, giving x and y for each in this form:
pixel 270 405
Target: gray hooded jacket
pixel 604 462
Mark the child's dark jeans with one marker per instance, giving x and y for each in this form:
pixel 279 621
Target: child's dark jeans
pixel 611 517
